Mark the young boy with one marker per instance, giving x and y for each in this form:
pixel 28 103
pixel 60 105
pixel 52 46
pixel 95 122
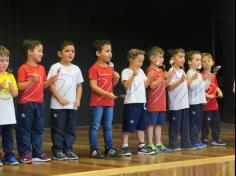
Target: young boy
pixel 178 103
pixel 211 115
pixel 30 117
pixel 66 96
pixel 134 116
pixel 8 90
pixel 156 99
pixel 102 80
pixel 196 92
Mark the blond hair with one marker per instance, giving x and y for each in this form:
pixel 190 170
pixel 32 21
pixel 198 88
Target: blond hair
pixel 133 53
pixel 4 51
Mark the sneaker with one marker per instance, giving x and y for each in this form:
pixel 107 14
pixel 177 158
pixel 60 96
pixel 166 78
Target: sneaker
pixel 153 148
pixel 205 141
pixel 218 143
pixel 112 152
pixel 71 155
pixel 189 147
pixel 96 154
pixel 42 158
pixel 176 149
pixel 11 160
pixel 26 158
pixel 199 145
pixel 163 148
pixel 1 163
pixel 125 151
pixel 59 156
pixel 145 150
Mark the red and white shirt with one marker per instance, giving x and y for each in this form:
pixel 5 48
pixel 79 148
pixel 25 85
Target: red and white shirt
pixel 212 103
pixel 35 92
pixel 156 98
pixel 104 78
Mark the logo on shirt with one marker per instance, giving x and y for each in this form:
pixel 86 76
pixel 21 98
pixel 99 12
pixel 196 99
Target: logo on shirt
pixel 22 115
pixel 131 121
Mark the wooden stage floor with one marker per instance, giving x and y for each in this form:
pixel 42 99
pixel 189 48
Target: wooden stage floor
pixel 211 161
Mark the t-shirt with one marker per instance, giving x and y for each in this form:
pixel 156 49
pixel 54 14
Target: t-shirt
pixel 178 97
pixel 104 78
pixel 156 98
pixel 196 91
pixel 212 102
pixel 7 110
pixel 69 76
pixel 35 92
pixel 136 93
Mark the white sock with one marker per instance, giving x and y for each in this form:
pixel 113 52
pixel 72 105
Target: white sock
pixel 141 145
pixel 125 145
pixel 158 144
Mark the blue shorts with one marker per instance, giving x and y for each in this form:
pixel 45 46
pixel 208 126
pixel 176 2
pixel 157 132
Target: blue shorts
pixel 156 118
pixel 134 117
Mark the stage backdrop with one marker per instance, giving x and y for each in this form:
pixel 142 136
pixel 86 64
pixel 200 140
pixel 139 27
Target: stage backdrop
pixel 204 25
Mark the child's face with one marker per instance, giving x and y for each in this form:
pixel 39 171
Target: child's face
pixel 157 59
pixel 195 63
pixel 179 59
pixel 37 53
pixel 105 54
pixel 207 62
pixel 138 61
pixel 4 63
pixel 67 54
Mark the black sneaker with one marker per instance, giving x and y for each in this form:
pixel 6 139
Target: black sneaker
pixel 205 141
pixel 145 150
pixel 218 143
pixel 71 155
pixel 59 156
pixel 112 152
pixel 96 154
pixel 125 151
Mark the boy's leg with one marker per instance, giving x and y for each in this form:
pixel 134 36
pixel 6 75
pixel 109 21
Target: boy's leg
pixel 70 129
pixel 7 140
pixel 95 119
pixel 205 125
pixel 37 130
pixel 184 129
pixel 151 121
pixel 25 117
pixel 215 125
pixel 160 121
pixel 174 128
pixel 57 125
pixel 150 130
pixel 195 123
pixel 107 119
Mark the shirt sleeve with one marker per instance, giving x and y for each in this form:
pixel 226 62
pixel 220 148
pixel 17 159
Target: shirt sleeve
pixel 93 75
pixel 125 76
pixel 52 71
pixel 13 81
pixel 143 75
pixel 21 75
pixel 79 76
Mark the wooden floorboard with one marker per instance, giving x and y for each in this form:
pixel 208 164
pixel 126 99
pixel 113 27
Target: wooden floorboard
pixel 211 158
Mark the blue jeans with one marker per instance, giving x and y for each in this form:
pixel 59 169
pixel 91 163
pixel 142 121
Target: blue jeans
pixel 101 115
pixel 29 128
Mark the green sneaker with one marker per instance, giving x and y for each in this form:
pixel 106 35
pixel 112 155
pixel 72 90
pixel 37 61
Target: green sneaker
pixel 163 148
pixel 153 148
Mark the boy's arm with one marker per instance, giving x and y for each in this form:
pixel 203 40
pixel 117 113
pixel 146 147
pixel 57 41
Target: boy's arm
pixel 13 91
pixel 176 83
pixel 156 83
pixel 98 90
pixel 79 90
pixel 219 92
pixel 57 95
pixel 25 85
pixel 148 80
pixel 116 78
pixel 50 81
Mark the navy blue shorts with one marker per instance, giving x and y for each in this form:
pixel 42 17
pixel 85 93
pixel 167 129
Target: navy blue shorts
pixel 134 118
pixel 156 118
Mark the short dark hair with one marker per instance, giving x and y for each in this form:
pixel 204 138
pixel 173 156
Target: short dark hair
pixel 64 44
pixel 30 44
pixel 98 44
pixel 153 51
pixel 174 51
pixel 189 55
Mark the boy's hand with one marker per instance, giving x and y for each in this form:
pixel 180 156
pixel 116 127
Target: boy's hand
pixel 77 104
pixel 135 72
pixel 183 78
pixel 111 95
pixel 116 75
pixel 64 101
pixel 170 75
pixel 35 78
pixel 210 96
pixel 52 79
pixel 3 85
pixel 11 87
pixel 219 94
pixel 150 75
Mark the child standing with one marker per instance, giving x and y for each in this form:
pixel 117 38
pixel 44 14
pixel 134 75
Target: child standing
pixel 134 116
pixel 156 99
pixel 178 103
pixel 211 115
pixel 8 90
pixel 66 96
pixel 102 80
pixel 197 87
pixel 30 114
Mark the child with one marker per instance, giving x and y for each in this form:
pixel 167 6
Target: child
pixel 134 115
pixel 66 96
pixel 178 103
pixel 30 117
pixel 197 87
pixel 156 99
pixel 102 80
pixel 211 115
pixel 8 90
